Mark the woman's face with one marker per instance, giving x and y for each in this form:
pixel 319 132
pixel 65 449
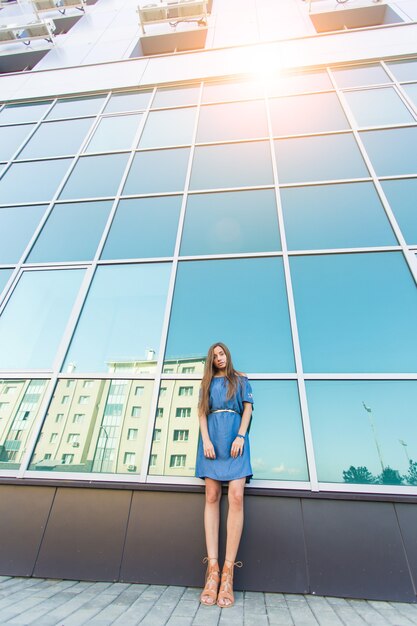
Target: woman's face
pixel 220 358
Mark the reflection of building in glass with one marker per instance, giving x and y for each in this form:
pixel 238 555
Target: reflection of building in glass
pixel 20 401
pixel 95 426
pixel 101 425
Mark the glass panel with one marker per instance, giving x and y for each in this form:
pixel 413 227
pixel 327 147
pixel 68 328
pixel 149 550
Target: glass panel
pixel 232 165
pixel 392 151
pixel 95 176
pixel 34 319
pixel 313 158
pixel 335 216
pixel 307 114
pixel 360 76
pixel 356 312
pixel 114 133
pixel 95 426
pixel 276 432
pixel 121 322
pixel 176 96
pixel 411 91
pixel 404 70
pixel 364 431
pixel 242 221
pixel 11 137
pixel 252 318
pixel 376 107
pixel 143 227
pixel 133 101
pixel 20 404
pixel 157 171
pixel 71 233
pixel 168 128
pixel 15 113
pixel 76 107
pixel 56 138
pixel 239 90
pixel 240 120
pixel 41 180
pixel 17 226
pixel 4 277
pixel 176 429
pixel 299 83
pixel 402 196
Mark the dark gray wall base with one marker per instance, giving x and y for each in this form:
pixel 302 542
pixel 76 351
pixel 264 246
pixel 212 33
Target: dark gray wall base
pixel 293 544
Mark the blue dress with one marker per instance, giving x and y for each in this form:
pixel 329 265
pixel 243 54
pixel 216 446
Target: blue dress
pixel 223 428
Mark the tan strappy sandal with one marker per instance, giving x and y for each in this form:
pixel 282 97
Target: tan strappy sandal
pixel 208 596
pixel 225 598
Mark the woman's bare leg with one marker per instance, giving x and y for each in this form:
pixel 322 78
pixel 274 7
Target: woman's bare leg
pixel 212 516
pixel 211 525
pixel 234 533
pixel 234 518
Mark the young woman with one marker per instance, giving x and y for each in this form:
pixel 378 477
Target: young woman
pixel 225 410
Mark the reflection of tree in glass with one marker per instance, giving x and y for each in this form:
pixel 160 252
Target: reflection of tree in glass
pixel 411 477
pixel 358 475
pixel 390 477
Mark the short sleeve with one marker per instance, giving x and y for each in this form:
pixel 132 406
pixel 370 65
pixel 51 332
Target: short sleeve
pixel 247 391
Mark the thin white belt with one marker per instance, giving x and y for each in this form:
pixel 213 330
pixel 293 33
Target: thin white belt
pixel 224 411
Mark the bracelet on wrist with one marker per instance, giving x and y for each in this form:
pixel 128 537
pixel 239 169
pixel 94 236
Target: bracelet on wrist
pixel 241 436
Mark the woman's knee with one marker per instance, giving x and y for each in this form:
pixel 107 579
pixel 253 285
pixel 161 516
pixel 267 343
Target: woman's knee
pixel 236 498
pixel 213 495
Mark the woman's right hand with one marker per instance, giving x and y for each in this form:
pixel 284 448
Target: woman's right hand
pixel 209 449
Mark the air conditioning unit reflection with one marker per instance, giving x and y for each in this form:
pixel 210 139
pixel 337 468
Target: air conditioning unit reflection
pixel 131 468
pixel 152 13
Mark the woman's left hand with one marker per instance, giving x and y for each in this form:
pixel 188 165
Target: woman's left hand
pixel 237 447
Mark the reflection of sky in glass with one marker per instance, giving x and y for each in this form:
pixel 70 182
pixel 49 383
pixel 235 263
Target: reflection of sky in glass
pixel 392 151
pixel 41 179
pixel 241 302
pixel 114 133
pixel 34 319
pixel 71 233
pixel 335 216
pixel 17 226
pixel 288 115
pixel 143 227
pixel 342 428
pixel 11 137
pixel 241 221
pixel 313 158
pixel 276 434
pixel 95 176
pixel 73 107
pixel 376 107
pixel 15 113
pixel 122 316
pixel 402 196
pixel 404 70
pixel 360 76
pixel 356 312
pixel 56 138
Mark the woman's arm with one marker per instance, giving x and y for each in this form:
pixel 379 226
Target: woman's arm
pixel 207 445
pixel 238 443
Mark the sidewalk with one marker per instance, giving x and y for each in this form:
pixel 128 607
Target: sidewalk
pixel 45 602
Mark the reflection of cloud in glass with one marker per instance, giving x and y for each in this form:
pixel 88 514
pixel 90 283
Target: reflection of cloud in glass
pixel 343 434
pixel 276 434
pixel 241 302
pixel 122 317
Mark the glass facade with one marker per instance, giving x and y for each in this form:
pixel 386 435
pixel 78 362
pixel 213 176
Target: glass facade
pixel 152 223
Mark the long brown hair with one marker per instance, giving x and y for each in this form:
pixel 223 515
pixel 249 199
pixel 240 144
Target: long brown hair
pixel 232 376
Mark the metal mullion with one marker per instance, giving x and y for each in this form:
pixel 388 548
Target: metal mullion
pixel 317 183
pixel 360 376
pixel 49 205
pixel 130 261
pixel 345 250
pixel 371 489
pixel 401 92
pixel 231 255
pixel 103 376
pixel 26 140
pixel 122 181
pixel 170 297
pixel 388 211
pixel 85 476
pixel 308 439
